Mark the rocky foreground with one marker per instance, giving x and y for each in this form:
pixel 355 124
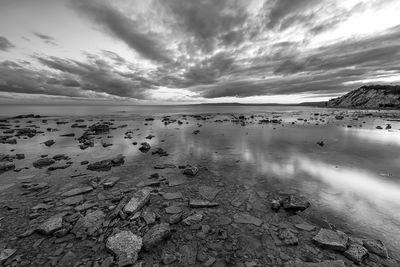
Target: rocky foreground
pixel 191 218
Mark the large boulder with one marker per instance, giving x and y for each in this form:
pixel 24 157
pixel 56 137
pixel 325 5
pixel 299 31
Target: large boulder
pixel 126 246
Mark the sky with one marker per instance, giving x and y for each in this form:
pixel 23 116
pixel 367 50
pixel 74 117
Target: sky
pixel 195 51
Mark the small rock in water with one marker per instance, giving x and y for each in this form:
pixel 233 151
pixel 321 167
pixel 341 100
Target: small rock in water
pixel 138 200
pixel 126 246
pixel 155 235
pixel 320 143
pixel 275 205
pixel 144 147
pixel 40 163
pixel 335 240
pixel 190 170
pixel 49 142
pixel 295 203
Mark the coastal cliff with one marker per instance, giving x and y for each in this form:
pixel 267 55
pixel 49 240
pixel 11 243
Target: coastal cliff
pixel 369 96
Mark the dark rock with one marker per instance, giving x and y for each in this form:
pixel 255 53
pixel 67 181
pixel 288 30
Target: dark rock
pixel 49 142
pixel 144 147
pixel 6 166
pixel 197 203
pixel 44 162
pixel 106 165
pixel 155 235
pixel 275 205
pixel 190 170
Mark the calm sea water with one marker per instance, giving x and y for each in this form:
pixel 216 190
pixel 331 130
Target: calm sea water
pixel 353 181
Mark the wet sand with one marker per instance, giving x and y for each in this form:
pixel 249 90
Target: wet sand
pixel 252 189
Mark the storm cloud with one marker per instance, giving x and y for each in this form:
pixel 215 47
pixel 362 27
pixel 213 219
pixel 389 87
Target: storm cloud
pixel 210 49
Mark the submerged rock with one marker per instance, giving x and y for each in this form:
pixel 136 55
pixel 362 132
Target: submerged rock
pixel 49 142
pixel 335 240
pixel 190 170
pixel 6 166
pixel 107 164
pixel 126 246
pixel 40 163
pixel 155 235
pixel 144 147
pixel 138 200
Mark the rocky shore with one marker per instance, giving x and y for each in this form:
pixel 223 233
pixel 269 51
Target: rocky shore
pixel 80 213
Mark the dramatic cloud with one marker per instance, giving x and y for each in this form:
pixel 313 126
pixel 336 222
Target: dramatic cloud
pixel 169 50
pixel 124 28
pixel 46 38
pixel 5 44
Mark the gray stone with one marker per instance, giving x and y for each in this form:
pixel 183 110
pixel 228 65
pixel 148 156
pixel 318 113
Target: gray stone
pixel 149 216
pixel 85 206
pixel 138 200
pixel 77 191
pixel 126 246
pixel 376 246
pixel 168 258
pixel 173 209
pixel 295 203
pixel 155 235
pixel 6 253
pixel 89 224
pixel 51 225
pixel 304 226
pixel 222 220
pixel 41 206
pixel 246 218
pixel 335 240
pixel 73 200
pixel 356 253
pixel 175 218
pixel 189 253
pixel 288 238
pixel 190 170
pixel 175 181
pixel 198 203
pixel 40 163
pixel 172 196
pixel 208 192
pixel 110 181
pixel 192 219
pixel 68 259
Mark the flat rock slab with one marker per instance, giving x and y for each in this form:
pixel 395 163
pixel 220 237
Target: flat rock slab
pixel 173 210
pixel 328 263
pixel 192 219
pixel 246 218
pixel 335 240
pixel 356 253
pixel 138 200
pixel 126 246
pixel 110 181
pixel 175 181
pixel 6 253
pixel 208 192
pixel 305 226
pixel 89 224
pixel 73 200
pixel 155 235
pixel 295 203
pixel 51 225
pixel 77 191
pixel 172 196
pixel 86 206
pixel 198 203
pixel 222 220
pixel 376 246
pixel 148 183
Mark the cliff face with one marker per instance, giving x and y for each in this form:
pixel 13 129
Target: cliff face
pixel 371 96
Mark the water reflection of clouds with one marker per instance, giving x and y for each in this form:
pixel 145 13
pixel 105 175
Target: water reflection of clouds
pixel 374 135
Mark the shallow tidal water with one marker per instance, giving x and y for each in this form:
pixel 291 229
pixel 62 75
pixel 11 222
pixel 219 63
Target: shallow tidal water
pixel 353 181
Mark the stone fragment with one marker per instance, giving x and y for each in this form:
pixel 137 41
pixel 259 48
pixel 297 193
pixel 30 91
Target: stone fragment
pixel 295 203
pixel 173 209
pixel 6 253
pixel 68 259
pixel 73 200
pixel 305 226
pixel 155 235
pixel 208 192
pixel 328 263
pixel 6 166
pixel 168 258
pixel 246 218
pixel 376 246
pixel 77 191
pixel 138 200
pixel 192 219
pixel 198 203
pixel 85 206
pixel 172 196
pixel 40 163
pixel 51 225
pixel 275 205
pixel 175 218
pixel 190 170
pixel 110 181
pixel 356 253
pixel 288 238
pixel 189 253
pixel 335 240
pixel 88 224
pixel 107 164
pixel 149 217
pixel 126 246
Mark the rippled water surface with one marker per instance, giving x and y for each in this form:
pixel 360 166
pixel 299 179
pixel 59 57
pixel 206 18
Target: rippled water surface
pixel 352 181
